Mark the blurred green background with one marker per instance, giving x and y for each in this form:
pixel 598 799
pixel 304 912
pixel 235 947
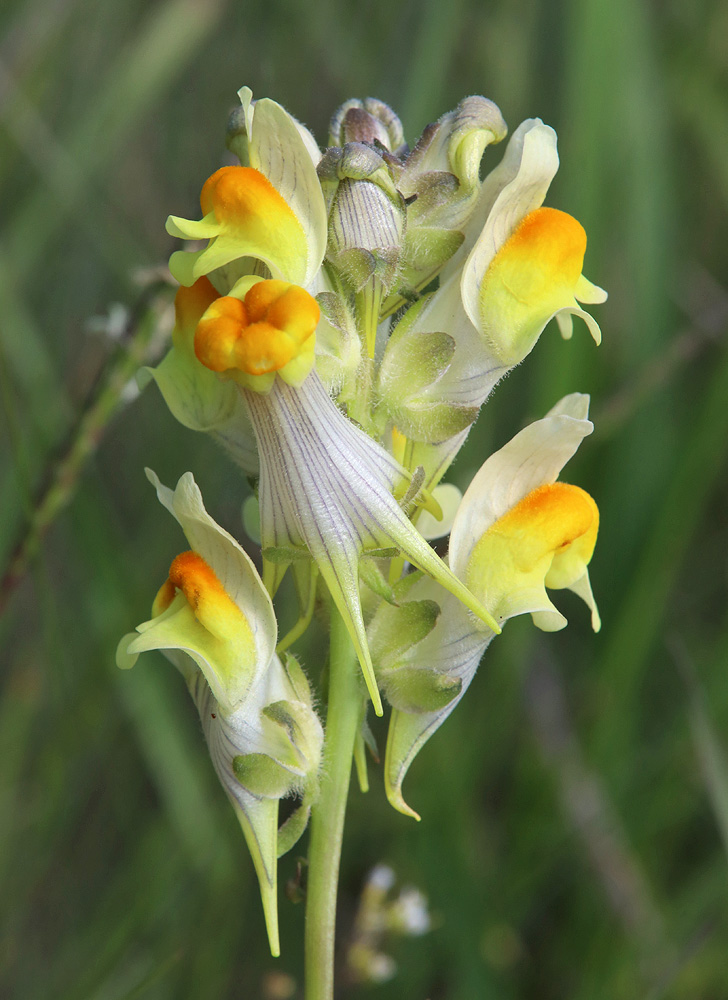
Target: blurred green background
pixel 575 807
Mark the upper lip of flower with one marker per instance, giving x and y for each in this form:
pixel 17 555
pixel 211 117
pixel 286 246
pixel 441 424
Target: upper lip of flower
pixel 281 166
pixel 238 581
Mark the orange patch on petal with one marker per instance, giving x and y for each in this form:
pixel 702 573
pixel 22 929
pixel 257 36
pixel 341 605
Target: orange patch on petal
pixel 533 275
pixel 190 303
pixel 547 245
pixel 206 596
pixel 553 519
pixel 243 198
pixel 262 333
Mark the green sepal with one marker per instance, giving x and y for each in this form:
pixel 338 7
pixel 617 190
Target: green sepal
pixel 338 345
pixel 427 249
pixel 388 553
pixel 294 740
pixel 290 832
pixel 297 679
pixel 263 776
pixel 394 630
pixel 372 576
pixel 360 763
pixel 412 365
pixel 364 739
pixel 194 394
pixel 417 689
pixel 359 265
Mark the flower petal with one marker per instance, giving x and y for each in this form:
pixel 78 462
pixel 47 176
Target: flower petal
pixel 230 563
pixel 245 216
pixel 246 732
pixel 533 457
pixel 448 496
pixel 517 186
pixel 278 148
pixel 449 654
pixel 194 394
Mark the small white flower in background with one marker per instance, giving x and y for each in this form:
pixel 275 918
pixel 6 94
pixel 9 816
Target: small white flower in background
pixel 380 918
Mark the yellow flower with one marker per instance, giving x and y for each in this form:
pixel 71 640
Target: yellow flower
pixel 271 208
pixel 520 265
pixel 518 531
pixel 214 620
pixel 243 216
pixel 269 330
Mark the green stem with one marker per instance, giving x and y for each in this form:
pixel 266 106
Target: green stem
pixel 327 816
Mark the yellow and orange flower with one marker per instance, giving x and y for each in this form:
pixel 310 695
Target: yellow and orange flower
pixel 270 329
pixel 519 531
pixel 271 208
pixel 214 620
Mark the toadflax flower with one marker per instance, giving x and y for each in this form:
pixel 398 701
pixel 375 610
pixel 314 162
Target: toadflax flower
pixel 517 532
pixel 270 208
pixel 520 265
pixel 214 620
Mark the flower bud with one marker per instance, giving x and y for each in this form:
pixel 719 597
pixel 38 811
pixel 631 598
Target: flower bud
pixel 366 214
pixel 366 226
pixel 440 181
pixel 369 121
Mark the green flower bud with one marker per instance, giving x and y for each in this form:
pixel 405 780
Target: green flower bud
pixel 366 225
pixel 440 181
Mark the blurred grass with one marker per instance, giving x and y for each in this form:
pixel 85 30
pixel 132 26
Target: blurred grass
pixel 574 809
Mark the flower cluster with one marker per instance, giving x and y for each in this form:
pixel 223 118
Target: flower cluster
pixel 338 330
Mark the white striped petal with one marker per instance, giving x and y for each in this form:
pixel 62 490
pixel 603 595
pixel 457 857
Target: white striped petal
pixel 326 489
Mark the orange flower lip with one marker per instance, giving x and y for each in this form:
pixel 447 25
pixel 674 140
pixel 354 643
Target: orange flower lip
pixel 260 334
pixel 191 302
pixel 210 603
pixel 243 196
pixel 551 519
